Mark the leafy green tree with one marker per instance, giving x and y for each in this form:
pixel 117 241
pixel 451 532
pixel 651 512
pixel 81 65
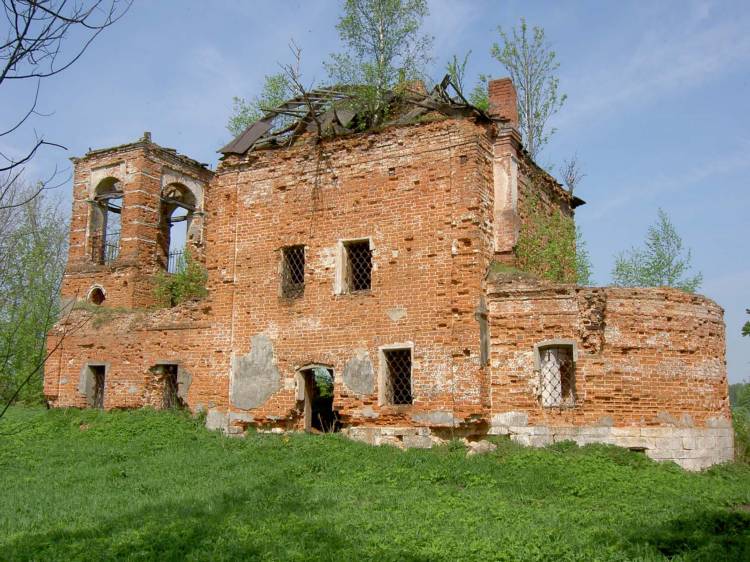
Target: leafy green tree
pixel 383 47
pixel 32 259
pixel 532 66
pixel 662 262
pixel 746 326
pixel 276 90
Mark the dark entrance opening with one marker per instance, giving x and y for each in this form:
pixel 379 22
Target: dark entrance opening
pixel 319 413
pixel 166 374
pixel 97 371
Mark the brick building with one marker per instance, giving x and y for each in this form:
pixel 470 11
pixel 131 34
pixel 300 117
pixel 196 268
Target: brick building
pixel 361 281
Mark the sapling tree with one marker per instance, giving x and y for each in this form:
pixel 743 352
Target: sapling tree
pixel 661 262
pixel 532 65
pixel 276 90
pixel 383 46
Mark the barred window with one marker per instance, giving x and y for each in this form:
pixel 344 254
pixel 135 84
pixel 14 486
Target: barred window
pixel 357 266
pixel 397 376
pixel 293 271
pixel 557 376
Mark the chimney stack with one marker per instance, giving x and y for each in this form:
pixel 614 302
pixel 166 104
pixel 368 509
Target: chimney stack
pixel 503 100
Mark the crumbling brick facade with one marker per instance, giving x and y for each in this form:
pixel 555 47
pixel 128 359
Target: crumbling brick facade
pixel 429 206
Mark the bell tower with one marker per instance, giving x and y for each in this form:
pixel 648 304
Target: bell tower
pixel 129 202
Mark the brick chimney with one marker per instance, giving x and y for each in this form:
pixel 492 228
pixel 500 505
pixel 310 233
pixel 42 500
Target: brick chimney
pixel 503 100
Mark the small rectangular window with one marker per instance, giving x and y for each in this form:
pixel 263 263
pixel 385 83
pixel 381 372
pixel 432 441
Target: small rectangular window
pixel 557 376
pixel 397 376
pixel 358 266
pixel 293 271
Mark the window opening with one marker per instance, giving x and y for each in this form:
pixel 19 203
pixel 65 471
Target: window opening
pixel 358 272
pixel 293 271
pixel 106 221
pixel 178 208
pixel 98 372
pixel 318 409
pixel 557 376
pixel 96 296
pixel 398 376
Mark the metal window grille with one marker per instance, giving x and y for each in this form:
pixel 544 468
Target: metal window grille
pixel 557 384
pixel 105 248
pixel 176 261
pixel 98 400
pixel 398 376
pixel 293 271
pixel 358 266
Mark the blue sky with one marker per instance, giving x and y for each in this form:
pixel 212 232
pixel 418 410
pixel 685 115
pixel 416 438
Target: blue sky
pixel 657 106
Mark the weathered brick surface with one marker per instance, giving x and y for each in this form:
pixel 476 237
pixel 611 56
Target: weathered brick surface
pixel 438 201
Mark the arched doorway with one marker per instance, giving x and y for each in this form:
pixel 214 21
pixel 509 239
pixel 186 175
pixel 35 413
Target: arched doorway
pixel 316 382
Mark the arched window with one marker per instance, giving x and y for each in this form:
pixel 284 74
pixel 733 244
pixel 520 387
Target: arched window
pixel 178 207
pixel 104 227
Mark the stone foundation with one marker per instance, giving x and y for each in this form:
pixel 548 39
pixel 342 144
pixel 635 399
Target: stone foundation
pixel 691 448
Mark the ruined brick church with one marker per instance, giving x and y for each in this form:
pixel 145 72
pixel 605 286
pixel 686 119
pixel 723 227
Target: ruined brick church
pixel 365 281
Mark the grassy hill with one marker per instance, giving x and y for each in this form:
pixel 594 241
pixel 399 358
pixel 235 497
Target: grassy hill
pixel 146 485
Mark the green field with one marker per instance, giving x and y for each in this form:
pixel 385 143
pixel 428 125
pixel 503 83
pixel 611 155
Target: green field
pixel 145 485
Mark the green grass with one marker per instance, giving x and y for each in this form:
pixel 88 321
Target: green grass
pixel 145 485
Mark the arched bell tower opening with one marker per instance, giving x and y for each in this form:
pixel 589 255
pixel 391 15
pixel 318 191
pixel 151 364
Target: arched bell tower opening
pixel 178 207
pixel 106 221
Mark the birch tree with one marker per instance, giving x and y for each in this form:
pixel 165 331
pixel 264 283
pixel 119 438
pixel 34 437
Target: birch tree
pixel 662 262
pixel 532 66
pixel 383 46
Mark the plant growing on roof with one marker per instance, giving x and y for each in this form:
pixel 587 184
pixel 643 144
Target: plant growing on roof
pixel 276 90
pixel 383 47
pixel 532 66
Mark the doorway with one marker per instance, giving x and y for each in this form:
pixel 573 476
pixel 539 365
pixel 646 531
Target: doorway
pixel 320 417
pixel 97 398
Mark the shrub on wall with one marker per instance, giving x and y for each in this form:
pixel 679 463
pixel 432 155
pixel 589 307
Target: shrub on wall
pixel 547 244
pixel 189 282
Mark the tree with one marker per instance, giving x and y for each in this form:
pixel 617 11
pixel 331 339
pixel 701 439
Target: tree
pixel 531 64
pixel 572 173
pixel 383 48
pixel 746 326
pixel 583 260
pixel 32 259
pixel 457 71
pixel 276 90
pixel 660 263
pixel 42 39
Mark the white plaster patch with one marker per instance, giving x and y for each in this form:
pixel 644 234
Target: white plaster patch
pixel 396 313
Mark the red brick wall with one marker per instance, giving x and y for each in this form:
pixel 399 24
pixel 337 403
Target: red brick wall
pixel 420 194
pixel 645 356
pixel 424 195
pixel 127 282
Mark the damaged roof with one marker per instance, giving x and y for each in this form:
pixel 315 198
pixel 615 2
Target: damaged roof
pixel 329 112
